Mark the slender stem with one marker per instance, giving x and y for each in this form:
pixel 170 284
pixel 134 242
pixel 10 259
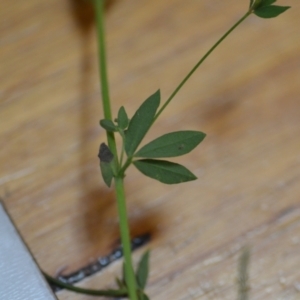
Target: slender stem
pixel 123 147
pixel 125 238
pixel 99 5
pixel 125 166
pixel 199 63
pixel 107 293
pixel 122 155
pixel 119 186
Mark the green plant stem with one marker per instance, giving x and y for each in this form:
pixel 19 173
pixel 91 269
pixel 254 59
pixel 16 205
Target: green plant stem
pixel 125 166
pixel 107 293
pixel 119 185
pixel 99 7
pixel 125 238
pixel 199 63
pixel 123 147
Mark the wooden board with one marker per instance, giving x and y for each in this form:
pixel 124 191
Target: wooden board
pixel 245 97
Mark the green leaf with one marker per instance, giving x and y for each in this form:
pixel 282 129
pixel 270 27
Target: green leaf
pixel 266 3
pixel 123 120
pixel 254 4
pixel 140 123
pixel 143 296
pixel 172 144
pixel 105 293
pixel 143 270
pixel 106 157
pixel 270 11
pixel 107 172
pixel 164 171
pixel 108 125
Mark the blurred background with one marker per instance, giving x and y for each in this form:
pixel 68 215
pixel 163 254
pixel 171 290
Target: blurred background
pixel 245 97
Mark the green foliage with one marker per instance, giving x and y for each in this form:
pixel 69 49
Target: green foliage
pixel 108 125
pixel 140 123
pixel 270 11
pixel 122 120
pixel 106 158
pixel 143 270
pixel 164 171
pixel 266 2
pixel 107 172
pixel 265 9
pixel 171 144
pixel 142 273
pixel 107 293
pixel 143 296
pixel 122 282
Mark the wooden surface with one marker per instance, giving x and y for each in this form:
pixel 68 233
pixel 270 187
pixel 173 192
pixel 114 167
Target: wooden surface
pixel 245 97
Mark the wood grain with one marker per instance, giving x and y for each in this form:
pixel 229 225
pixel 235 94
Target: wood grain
pixel 246 98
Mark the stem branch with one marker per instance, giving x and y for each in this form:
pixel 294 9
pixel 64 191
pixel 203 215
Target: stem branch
pixel 199 63
pixel 107 293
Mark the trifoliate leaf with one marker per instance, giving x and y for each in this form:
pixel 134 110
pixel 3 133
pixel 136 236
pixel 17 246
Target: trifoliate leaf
pixel 270 11
pixel 108 125
pixel 143 270
pixel 140 123
pixel 171 144
pixel 164 171
pixel 123 120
